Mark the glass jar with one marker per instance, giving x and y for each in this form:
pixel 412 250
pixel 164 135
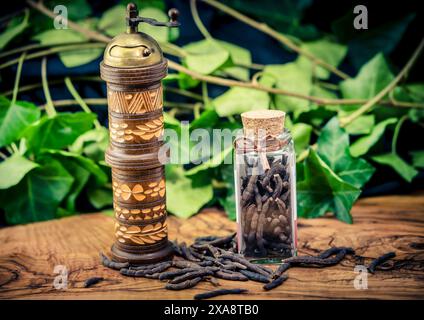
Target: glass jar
pixel 265 182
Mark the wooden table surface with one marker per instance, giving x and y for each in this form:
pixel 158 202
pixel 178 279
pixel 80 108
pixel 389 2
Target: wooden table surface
pixel 29 254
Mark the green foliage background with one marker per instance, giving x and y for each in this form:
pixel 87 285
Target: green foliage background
pixel 53 160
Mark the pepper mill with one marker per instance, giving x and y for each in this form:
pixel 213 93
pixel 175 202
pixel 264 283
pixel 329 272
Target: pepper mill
pixel 133 67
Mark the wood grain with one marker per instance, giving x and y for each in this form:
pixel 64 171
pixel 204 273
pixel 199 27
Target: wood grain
pixel 29 254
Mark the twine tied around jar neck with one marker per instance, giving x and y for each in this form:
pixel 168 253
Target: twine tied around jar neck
pixel 269 143
pixel 251 143
pixel 262 129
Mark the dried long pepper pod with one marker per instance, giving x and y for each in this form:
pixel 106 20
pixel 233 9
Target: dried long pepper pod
pixel 216 293
pixel 161 267
pixel 186 253
pixel 175 273
pixel 153 268
pixel 315 261
pixel 334 250
pixel 177 248
pixel 112 264
pixel 233 276
pixel 191 275
pixel 282 268
pixel 223 241
pixel 92 281
pixel 243 261
pixel 183 285
pixel 182 264
pixel 380 260
pixel 205 239
pixel 206 263
pixel 255 276
pixel 275 283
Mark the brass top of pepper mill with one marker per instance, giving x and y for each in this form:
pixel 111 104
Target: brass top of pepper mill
pixel 134 49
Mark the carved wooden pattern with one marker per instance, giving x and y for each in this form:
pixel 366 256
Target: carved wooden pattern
pixel 141 235
pixel 128 132
pixel 149 191
pixel 142 214
pixel 135 102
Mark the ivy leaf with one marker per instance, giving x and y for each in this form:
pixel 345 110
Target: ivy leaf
pixel 326 50
pixel 187 82
pixel 205 56
pixel 364 144
pixel 362 125
pixel 14 118
pixel 64 36
pixel 357 172
pixel 412 92
pixel 170 121
pixel 63 213
pixel 321 92
pixel 374 76
pixel 322 190
pixel 80 175
pixel 171 77
pixel 15 27
pixel 92 143
pixel 77 9
pixel 404 169
pixel 39 194
pixel 292 77
pixel 301 133
pixel 58 131
pixel 300 172
pixel 416 115
pixel 159 34
pixel 229 201
pixel 333 148
pixel 89 165
pixel 239 57
pixel 237 100
pixel 81 169
pixel 208 118
pixel 112 22
pixel 179 152
pixel 100 197
pixel 13 169
pixel 213 162
pixel 316 115
pixel 418 159
pixel 332 145
pixel 180 190
pixel 108 212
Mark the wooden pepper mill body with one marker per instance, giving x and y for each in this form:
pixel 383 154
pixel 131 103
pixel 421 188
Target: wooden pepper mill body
pixel 133 68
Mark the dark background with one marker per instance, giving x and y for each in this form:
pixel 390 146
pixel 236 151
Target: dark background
pixel 318 18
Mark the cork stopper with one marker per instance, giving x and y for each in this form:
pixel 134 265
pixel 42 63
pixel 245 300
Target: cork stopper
pixel 263 122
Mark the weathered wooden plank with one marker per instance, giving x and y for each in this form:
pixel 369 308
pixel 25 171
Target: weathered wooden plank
pixel 29 254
